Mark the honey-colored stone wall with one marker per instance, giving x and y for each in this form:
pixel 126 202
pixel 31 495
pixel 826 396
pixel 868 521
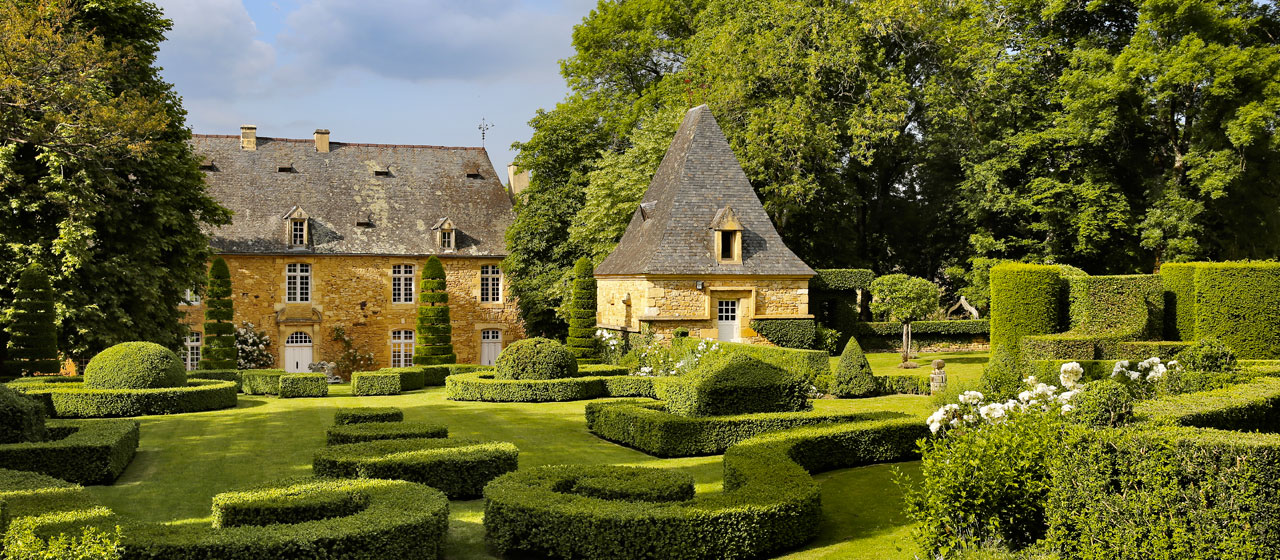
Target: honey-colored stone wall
pixel 355 292
pixel 667 303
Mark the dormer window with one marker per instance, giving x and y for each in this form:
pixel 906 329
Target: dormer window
pixel 297 228
pixel 446 234
pixel 298 233
pixel 728 236
pixel 381 172
pixel 473 171
pixel 284 167
pixel 207 165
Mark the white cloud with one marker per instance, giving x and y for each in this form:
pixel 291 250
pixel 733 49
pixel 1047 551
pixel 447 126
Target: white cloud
pixel 213 50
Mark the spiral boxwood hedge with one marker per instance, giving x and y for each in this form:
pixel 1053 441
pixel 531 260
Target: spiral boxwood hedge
pixel 362 414
pixel 84 452
pixel 770 502
pixel 606 381
pixel 296 385
pixel 581 311
pixel 374 431
pixel 648 427
pixel 135 365
pixel 458 467
pixel 75 400
pixel 370 383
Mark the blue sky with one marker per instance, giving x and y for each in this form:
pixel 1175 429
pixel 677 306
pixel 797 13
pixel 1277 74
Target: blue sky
pixel 387 71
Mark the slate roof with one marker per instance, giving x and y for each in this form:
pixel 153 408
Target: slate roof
pixel 671 232
pixel 426 184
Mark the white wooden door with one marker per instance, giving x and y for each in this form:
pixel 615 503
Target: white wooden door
pixel 490 346
pixel 727 324
pixel 297 353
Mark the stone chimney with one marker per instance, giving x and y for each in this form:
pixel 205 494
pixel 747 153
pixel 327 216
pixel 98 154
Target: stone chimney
pixel 248 137
pixel 517 180
pixel 322 140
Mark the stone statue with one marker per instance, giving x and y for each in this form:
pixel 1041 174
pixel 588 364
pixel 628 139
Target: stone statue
pixel 938 379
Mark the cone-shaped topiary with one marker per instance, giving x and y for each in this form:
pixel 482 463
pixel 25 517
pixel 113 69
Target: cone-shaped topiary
pixel 535 358
pixel 135 365
pixel 219 332
pixel 435 333
pixel 582 314
pixel 21 417
pixel 853 376
pixel 33 338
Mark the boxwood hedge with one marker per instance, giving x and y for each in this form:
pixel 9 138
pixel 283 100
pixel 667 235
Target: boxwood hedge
pixel 218 374
pixel 74 400
pixel 458 467
pixel 1104 311
pixel 261 381
pixel 964 327
pixel 606 381
pixel 1026 299
pixel 787 333
pixel 304 385
pixel 732 383
pixel 842 279
pixel 807 363
pixel 84 452
pixel 362 414
pixel 648 427
pixel 1239 304
pixel 1179 281
pixel 416 377
pixel 298 504
pixel 770 502
pixel 1252 406
pixel 31 493
pixel 369 383
pixel 373 431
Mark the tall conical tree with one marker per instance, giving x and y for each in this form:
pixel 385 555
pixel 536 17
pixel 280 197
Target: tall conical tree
pixel 219 332
pixel 33 338
pixel 582 314
pixel 435 341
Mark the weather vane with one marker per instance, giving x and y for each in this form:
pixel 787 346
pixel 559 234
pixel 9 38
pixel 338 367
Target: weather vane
pixel 484 127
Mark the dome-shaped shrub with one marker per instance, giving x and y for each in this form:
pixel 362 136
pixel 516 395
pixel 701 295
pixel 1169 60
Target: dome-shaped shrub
pixel 536 358
pixel 21 417
pixel 135 365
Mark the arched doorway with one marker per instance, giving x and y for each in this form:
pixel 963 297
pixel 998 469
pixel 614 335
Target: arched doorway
pixel 297 352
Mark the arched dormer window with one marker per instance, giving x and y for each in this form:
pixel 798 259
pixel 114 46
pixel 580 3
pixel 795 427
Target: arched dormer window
pixel 297 228
pixel 728 236
pixel 446 234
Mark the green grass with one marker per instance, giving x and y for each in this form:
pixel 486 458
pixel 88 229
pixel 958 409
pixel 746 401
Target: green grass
pixel 184 460
pixel 962 367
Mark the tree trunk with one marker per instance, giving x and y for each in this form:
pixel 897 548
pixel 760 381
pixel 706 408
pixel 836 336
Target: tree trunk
pixel 906 342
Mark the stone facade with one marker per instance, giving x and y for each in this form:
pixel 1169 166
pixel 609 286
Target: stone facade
pixel 355 292
pixel 660 305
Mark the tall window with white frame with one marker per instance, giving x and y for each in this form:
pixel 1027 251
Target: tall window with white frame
pixel 490 284
pixel 191 357
pixel 402 283
pixel 297 283
pixel 401 348
pixel 446 239
pixel 299 233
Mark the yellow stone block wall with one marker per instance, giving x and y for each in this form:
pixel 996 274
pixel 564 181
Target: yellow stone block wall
pixel 355 292
pixel 667 303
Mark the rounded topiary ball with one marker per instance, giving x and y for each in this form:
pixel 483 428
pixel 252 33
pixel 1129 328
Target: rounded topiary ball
pixel 135 365
pixel 21 417
pixel 536 358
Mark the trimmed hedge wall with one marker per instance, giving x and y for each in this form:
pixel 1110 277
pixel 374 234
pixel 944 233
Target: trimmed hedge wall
pixel 417 377
pixel 264 507
pixel 611 382
pixel 807 363
pixel 375 431
pixel 1239 304
pixel 1166 493
pixel 1104 312
pixel 369 383
pixel 304 385
pixel 1247 407
pixel 362 414
pixel 1026 299
pixel 219 375
pixel 732 383
pixel 261 381
pixel 399 520
pixel 787 333
pixel 84 452
pixel 73 400
pixel 30 493
pixel 770 502
pixel 458 467
pixel 648 427
pixel 842 279
pixel 965 327
pixel 1179 281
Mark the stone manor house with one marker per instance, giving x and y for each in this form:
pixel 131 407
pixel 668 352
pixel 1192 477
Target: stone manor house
pixel 332 234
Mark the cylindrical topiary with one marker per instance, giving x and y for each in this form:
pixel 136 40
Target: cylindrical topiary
pixel 21 417
pixel 33 338
pixel 219 332
pixel 435 333
pixel 535 358
pixel 853 376
pixel 135 365
pixel 581 309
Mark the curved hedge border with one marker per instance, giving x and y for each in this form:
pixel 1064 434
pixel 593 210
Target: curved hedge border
pixel 84 452
pixel 416 377
pixel 481 386
pixel 770 502
pixel 1025 300
pixel 1105 311
pixel 370 383
pixel 374 431
pixel 1252 406
pixel 73 400
pixel 458 467
pixel 362 414
pixel 401 520
pixel 261 381
pixel 648 427
pixel 30 493
pixel 218 374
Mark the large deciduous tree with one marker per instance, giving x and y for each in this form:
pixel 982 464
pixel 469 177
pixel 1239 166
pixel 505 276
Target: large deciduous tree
pixel 97 179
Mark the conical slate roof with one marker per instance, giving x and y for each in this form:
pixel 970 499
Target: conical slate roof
pixel 671 231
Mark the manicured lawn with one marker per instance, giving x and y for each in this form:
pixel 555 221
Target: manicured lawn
pixel 184 460
pixel 962 367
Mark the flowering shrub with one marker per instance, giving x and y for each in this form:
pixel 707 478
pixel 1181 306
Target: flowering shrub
pixel 1208 355
pixel 655 360
pixel 611 345
pixel 252 347
pixel 1146 378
